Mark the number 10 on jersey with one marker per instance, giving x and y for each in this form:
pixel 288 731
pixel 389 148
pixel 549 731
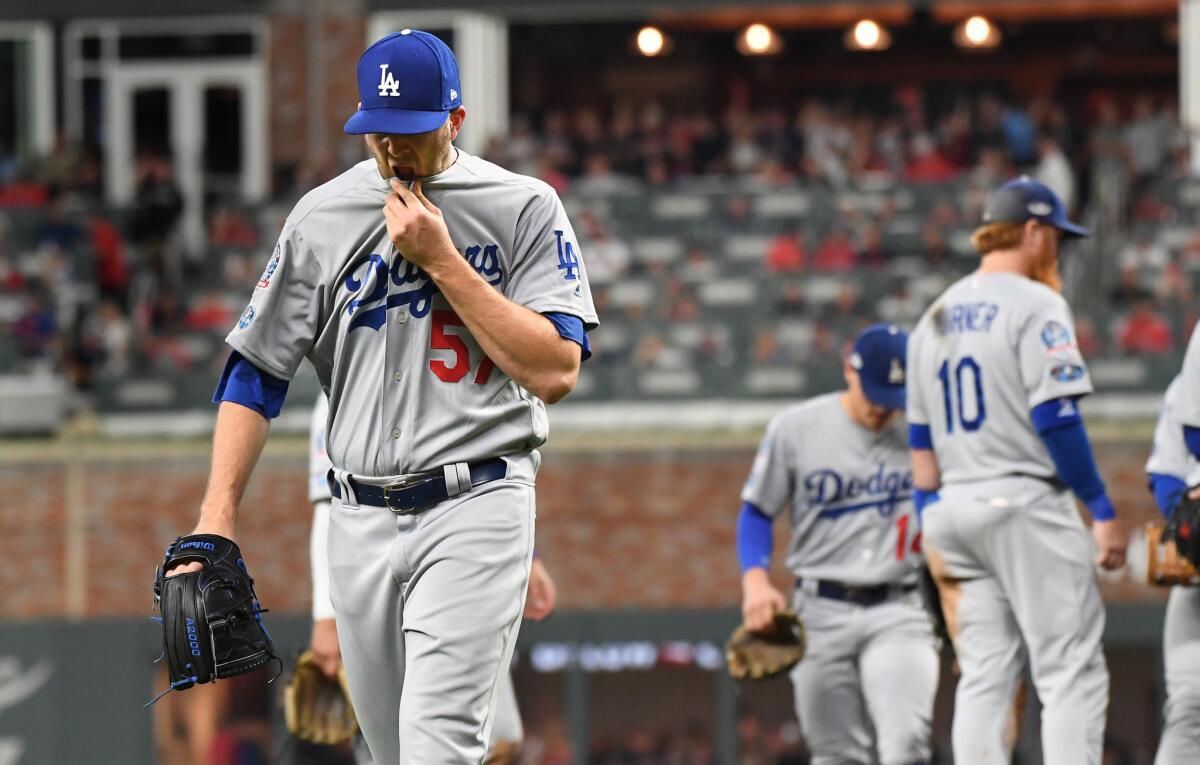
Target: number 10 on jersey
pixel 962 394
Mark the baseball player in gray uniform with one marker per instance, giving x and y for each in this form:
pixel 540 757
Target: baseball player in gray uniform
pixel 994 379
pixel 440 319
pixel 1173 467
pixel 507 731
pixel 838 464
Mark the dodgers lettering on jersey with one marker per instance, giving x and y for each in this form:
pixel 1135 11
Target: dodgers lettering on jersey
pixel 409 387
pixel 849 490
pixel 988 351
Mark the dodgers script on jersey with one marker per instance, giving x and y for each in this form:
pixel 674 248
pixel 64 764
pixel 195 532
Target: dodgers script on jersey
pixel 988 351
pixel 850 493
pixel 409 388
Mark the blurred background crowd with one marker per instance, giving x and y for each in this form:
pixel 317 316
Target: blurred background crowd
pixel 728 251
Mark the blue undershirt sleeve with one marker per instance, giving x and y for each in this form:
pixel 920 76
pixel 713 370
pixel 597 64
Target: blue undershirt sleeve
pixel 571 328
pixel 1168 490
pixel 919 436
pixel 245 384
pixel 1191 437
pixel 1062 431
pixel 754 538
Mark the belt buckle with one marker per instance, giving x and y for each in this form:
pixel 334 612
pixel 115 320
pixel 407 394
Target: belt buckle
pixel 400 486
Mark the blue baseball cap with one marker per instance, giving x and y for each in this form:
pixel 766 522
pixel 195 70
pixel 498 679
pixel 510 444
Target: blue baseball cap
pixel 1025 199
pixel 407 83
pixel 878 357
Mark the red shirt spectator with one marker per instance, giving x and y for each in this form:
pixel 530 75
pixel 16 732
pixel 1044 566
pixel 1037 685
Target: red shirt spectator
pixel 786 253
pixel 836 254
pixel 112 268
pixel 1145 332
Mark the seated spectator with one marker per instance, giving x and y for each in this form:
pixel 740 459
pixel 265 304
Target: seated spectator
pixel 926 163
pixel 835 253
pixel 767 350
pixel 116 341
pixel 698 266
pixel 112 266
pixel 792 302
pixel 210 312
pixel 59 230
pixel 871 250
pixel 736 213
pixel 1128 290
pixel 599 179
pixel 607 258
pixel 229 227
pixel 23 191
pixel 1145 332
pixel 786 252
pixel 1054 170
pixel 35 328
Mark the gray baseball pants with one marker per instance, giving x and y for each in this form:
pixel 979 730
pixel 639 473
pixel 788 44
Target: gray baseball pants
pixel 864 691
pixel 428 607
pixel 1180 743
pixel 1020 566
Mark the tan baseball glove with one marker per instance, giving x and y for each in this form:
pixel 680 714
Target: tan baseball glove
pixel 761 655
pixel 1166 566
pixel 317 707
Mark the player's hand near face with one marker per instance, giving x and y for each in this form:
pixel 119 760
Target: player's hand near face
pixel 416 226
pixel 324 646
pixel 1111 540
pixel 542 595
pixel 760 600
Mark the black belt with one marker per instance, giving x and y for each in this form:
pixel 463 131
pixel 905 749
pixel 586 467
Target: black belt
pixel 419 492
pixel 868 595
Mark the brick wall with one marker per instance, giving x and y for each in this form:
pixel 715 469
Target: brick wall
pixel 633 529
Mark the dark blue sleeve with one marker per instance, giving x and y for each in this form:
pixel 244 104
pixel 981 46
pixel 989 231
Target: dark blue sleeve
pixel 921 498
pixel 1062 431
pixel 1168 490
pixel 245 384
pixel 754 538
pixel 1191 436
pixel 919 436
pixel 571 328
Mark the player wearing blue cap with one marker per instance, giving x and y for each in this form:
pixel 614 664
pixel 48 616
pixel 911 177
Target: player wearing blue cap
pixel 838 465
pixel 441 318
pixel 995 377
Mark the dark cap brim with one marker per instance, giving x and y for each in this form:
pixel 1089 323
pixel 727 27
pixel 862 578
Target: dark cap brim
pixel 395 121
pixel 889 396
pixel 1073 230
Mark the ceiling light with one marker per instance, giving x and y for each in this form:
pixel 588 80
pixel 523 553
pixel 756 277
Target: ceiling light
pixel 976 33
pixel 867 35
pixel 759 40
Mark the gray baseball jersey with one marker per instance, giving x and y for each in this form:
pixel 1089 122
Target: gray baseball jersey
pixel 849 490
pixel 409 389
pixel 1186 403
pixel 318 455
pixel 988 351
pixel 1170 455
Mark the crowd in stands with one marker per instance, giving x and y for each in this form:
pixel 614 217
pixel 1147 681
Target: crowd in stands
pixel 886 197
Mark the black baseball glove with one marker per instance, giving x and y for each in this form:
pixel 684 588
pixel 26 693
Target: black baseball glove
pixel 1184 528
pixel 211 619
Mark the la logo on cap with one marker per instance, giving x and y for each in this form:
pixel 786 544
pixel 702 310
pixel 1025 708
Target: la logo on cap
pixel 387 83
pixel 896 373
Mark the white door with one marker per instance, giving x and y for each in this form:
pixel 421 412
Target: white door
pixel 208 117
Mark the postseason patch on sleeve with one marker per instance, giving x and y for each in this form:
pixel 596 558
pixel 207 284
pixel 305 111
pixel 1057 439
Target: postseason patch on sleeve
pixel 1066 372
pixel 264 281
pixel 1057 337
